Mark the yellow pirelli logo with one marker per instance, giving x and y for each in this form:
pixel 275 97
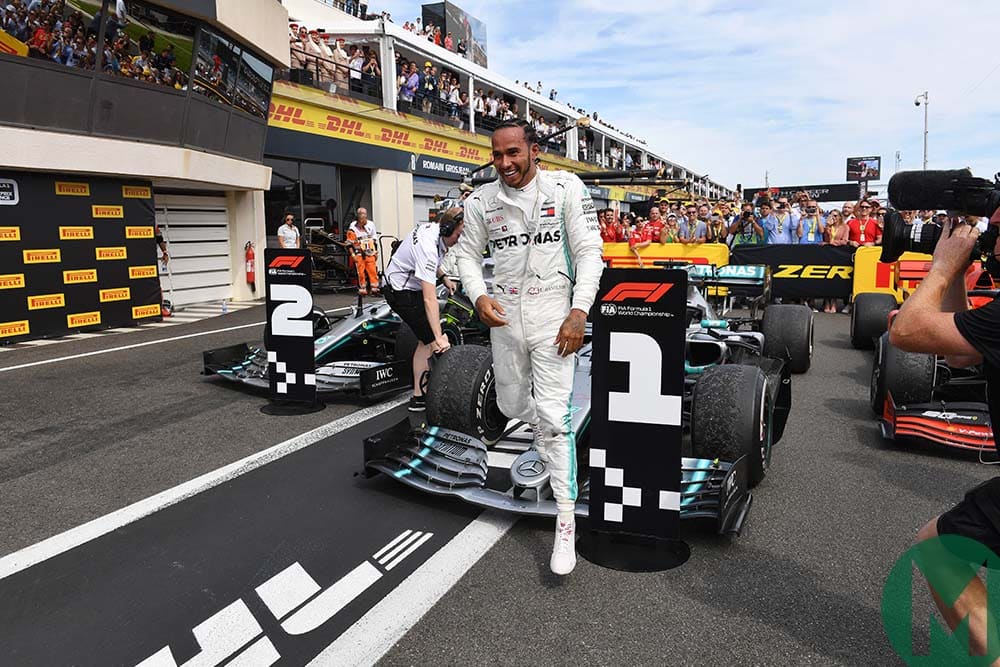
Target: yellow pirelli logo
pixel 75 233
pixel 107 211
pixel 12 281
pixel 137 272
pixel 19 328
pixel 79 276
pixel 46 256
pixel 83 319
pixel 136 192
pixel 10 233
pixel 40 301
pixel 72 189
pixel 117 252
pixel 116 294
pixel 138 232
pixel 139 312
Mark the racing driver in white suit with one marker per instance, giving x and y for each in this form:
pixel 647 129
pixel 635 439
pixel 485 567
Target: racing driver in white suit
pixel 542 231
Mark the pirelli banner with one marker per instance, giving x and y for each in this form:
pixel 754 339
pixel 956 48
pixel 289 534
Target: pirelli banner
pixel 803 271
pixel 76 253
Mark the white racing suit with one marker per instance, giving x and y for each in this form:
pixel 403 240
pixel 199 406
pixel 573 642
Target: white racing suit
pixel 545 264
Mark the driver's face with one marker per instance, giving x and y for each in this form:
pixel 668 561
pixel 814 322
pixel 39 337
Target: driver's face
pixel 513 158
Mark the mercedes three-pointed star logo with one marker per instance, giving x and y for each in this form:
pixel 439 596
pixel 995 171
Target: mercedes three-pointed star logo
pixel 531 468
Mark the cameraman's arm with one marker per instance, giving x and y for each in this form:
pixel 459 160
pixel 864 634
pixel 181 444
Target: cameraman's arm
pixel 926 322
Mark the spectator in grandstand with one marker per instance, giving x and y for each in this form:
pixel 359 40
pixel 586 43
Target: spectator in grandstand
pixel 863 229
pixel 608 232
pixel 656 225
pixel 320 61
pixel 847 211
pixel 436 38
pixel 552 94
pixel 342 61
pixel 449 43
pixel 781 226
pixel 409 81
pixel 695 229
pixel 835 234
pixel 812 223
pixel 799 202
pixel 371 75
pixel 718 231
pixel 492 105
pixel 461 49
pixel 745 229
pixel 356 63
pixel 671 231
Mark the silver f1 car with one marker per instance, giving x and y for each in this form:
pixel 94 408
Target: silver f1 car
pixel 736 402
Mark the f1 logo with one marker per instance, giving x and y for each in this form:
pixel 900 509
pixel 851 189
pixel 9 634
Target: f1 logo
pixel 642 403
pixel 290 262
pixel 648 292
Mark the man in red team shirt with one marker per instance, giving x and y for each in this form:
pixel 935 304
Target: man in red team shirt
pixel 862 229
pixel 609 233
pixel 655 225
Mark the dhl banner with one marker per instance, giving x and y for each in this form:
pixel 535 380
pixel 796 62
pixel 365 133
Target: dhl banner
pixel 77 253
pixel 437 149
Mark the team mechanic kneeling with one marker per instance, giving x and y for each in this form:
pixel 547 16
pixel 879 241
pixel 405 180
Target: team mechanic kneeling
pixel 542 230
pixel 936 319
pixel 410 290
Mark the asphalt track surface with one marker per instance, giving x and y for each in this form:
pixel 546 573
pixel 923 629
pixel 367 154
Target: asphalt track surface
pixel 88 436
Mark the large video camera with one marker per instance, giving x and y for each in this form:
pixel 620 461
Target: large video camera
pixel 953 190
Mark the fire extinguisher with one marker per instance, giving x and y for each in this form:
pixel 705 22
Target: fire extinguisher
pixel 251 274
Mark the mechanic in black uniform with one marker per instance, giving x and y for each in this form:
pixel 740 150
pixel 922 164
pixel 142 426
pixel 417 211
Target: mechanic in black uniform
pixel 935 319
pixel 410 289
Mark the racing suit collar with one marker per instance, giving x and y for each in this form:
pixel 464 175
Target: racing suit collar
pixel 545 186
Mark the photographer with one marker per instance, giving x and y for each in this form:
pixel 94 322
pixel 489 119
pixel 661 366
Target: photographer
pixel 745 229
pixel 935 319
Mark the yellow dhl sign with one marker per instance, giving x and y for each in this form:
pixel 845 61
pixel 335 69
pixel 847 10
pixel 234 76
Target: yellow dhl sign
pixel 116 294
pixel 136 192
pixel 83 319
pixel 47 256
pixel 75 233
pixel 138 232
pixel 79 276
pixel 107 211
pixel 118 252
pixel 41 301
pixel 19 328
pixel 138 272
pixel 68 189
pixel 139 312
pixel 10 233
pixel 12 281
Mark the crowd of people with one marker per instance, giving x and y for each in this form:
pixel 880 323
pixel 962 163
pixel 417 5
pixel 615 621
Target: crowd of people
pixel 434 34
pixel 336 68
pixel 69 38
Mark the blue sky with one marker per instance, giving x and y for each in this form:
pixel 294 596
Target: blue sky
pixel 734 88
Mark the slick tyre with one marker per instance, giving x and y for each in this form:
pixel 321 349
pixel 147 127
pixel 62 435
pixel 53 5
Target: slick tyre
pixel 788 335
pixel 462 393
pixel 731 417
pixel 907 376
pixel 870 318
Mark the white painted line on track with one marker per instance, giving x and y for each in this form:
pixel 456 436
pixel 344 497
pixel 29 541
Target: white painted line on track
pixel 365 642
pixel 53 546
pixel 128 347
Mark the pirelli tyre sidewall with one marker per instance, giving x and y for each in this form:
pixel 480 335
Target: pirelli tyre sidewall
pixel 727 424
pixel 788 335
pixel 462 396
pixel 870 318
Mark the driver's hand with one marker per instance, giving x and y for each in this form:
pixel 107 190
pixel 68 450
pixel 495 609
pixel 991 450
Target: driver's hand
pixel 490 311
pixel 440 344
pixel 449 284
pixel 570 337
pixel 954 250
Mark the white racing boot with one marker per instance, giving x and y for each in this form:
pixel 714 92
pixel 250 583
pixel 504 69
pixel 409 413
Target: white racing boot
pixel 564 549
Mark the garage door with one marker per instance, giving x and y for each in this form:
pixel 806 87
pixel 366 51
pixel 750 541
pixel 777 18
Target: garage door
pixel 196 230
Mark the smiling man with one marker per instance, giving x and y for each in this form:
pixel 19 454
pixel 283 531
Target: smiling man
pixel 542 230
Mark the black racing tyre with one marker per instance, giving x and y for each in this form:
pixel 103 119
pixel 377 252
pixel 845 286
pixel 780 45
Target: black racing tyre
pixel 870 318
pixel 788 335
pixel 405 344
pixel 908 376
pixel 462 393
pixel 731 417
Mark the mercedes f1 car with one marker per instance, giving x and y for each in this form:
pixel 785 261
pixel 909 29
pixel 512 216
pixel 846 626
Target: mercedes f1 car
pixel 353 347
pixel 736 402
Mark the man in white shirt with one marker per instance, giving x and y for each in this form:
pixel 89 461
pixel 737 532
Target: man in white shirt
pixel 410 289
pixel 288 233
